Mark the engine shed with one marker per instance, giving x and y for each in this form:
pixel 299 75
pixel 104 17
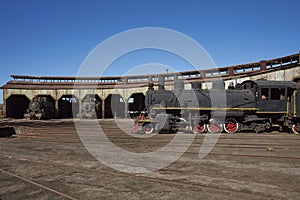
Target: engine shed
pixel 124 96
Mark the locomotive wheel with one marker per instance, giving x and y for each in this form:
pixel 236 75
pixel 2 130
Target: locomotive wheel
pixel 214 126
pixel 148 128
pixel 199 128
pixel 283 129
pixel 294 129
pixel 184 126
pixel 231 125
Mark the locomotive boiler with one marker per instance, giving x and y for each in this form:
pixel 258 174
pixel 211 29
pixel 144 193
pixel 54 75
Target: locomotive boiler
pixel 252 105
pixel 41 107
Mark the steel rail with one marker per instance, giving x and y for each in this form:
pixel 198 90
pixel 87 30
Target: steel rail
pixel 37 184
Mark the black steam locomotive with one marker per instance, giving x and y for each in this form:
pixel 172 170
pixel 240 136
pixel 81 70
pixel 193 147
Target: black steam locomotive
pixel 252 105
pixel 41 107
pixel 90 108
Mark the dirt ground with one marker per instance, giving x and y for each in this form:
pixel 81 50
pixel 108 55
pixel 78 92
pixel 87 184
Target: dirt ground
pixel 47 160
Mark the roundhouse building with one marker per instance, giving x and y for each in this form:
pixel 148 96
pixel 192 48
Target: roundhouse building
pixel 122 96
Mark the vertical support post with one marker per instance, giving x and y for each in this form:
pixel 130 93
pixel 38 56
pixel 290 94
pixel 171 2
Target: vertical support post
pixel 103 108
pixel 56 104
pixel 230 71
pixel 56 108
pixel 79 104
pixel 4 103
pixel 203 74
pixel 263 65
pixel 126 107
pixel 175 77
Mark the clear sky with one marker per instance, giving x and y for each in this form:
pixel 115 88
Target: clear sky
pixel 52 37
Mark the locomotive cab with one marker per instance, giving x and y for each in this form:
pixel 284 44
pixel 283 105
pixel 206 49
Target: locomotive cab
pixel 274 97
pixel 277 101
pixel 271 96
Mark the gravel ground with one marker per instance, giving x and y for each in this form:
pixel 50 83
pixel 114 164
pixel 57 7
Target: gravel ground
pixel 47 160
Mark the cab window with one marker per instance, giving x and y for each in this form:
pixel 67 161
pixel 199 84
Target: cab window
pixel 264 93
pixel 278 94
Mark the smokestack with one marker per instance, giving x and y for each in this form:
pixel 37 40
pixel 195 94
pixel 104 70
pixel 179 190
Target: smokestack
pixel 161 82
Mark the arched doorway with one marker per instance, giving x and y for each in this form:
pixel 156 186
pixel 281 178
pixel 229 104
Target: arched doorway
pixel 136 104
pixel 114 106
pixel 68 106
pixel 16 106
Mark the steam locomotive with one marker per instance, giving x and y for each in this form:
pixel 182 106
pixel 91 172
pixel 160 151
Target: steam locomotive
pixel 41 107
pixel 90 108
pixel 252 106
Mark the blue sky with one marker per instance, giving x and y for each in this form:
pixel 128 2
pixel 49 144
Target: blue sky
pixel 52 37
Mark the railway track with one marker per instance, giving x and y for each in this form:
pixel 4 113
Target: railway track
pixel 131 143
pixel 145 177
pixel 225 141
pixel 33 183
pixel 229 146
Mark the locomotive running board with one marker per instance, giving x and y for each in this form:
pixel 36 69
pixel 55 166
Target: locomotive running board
pixel 176 108
pixel 146 121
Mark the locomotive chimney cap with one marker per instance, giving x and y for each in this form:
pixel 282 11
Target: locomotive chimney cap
pixel 150 85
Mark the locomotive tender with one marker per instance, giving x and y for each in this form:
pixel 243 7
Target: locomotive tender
pixel 252 105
